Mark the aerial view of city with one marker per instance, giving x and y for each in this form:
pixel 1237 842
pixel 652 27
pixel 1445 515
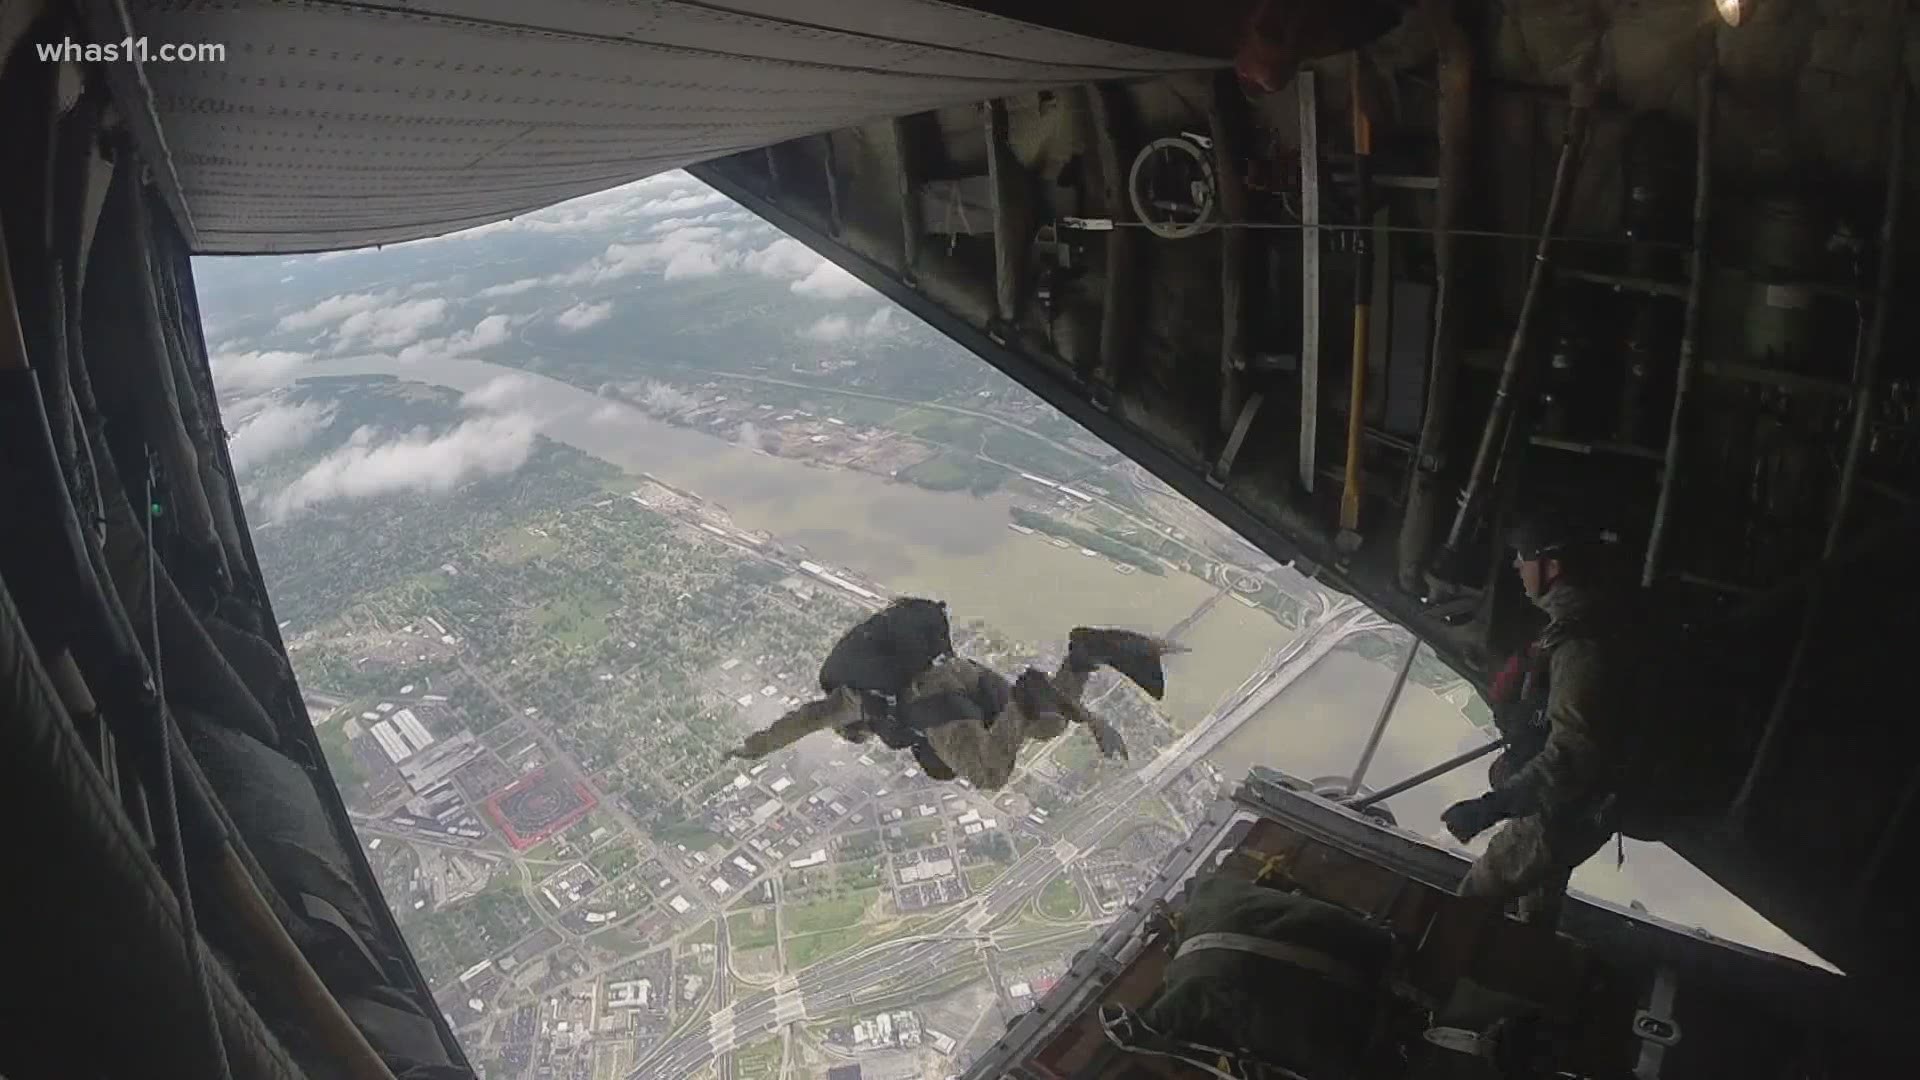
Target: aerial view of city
pixel 556 510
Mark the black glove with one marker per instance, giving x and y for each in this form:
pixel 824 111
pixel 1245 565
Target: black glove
pixel 1466 820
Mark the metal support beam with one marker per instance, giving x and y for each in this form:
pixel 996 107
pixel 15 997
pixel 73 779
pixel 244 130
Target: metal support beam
pixel 1309 277
pixel 1120 301
pixel 1011 232
pixel 773 172
pixel 1223 465
pixel 830 162
pixel 1690 334
pixel 1515 369
pixel 1455 124
pixel 1380 723
pixel 911 220
pixel 1235 244
pixel 1351 490
pixel 1427 774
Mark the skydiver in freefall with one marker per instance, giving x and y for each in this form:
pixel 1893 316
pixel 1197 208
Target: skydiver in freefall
pixel 896 676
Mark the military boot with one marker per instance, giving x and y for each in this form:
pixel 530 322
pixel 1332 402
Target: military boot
pixel 1135 655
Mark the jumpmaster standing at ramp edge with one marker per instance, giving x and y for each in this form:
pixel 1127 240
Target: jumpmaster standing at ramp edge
pixel 896 675
pixel 1570 708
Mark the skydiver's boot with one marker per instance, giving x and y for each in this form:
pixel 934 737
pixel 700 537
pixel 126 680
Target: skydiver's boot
pixel 1036 694
pixel 1135 655
pixel 930 762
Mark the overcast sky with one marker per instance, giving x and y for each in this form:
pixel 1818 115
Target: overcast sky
pixel 269 317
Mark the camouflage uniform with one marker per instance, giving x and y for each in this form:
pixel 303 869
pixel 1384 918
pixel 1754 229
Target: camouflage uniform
pixel 979 746
pixel 983 749
pixel 1570 745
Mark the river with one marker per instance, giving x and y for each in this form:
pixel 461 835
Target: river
pixel 945 544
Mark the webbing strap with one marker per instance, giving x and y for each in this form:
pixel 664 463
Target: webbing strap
pixel 1299 956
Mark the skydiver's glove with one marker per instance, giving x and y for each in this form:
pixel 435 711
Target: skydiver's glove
pixel 1466 820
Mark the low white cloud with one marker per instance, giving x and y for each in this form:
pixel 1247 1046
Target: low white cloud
pixel 511 288
pixel 721 217
pixel 691 251
pixel 276 429
pixel 661 399
pixel 500 393
pixel 371 466
pixel 829 282
pixel 680 202
pixel 784 258
pixel 698 263
pixel 485 334
pixel 238 372
pixel 829 328
pixel 393 325
pixel 581 316
pixel 332 310
pixel 611 412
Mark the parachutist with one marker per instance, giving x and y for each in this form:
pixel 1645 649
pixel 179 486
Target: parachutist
pixel 896 676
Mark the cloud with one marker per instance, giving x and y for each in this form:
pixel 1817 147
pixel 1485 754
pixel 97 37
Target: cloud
pixel 698 263
pixel 829 328
pixel 609 211
pixel 691 251
pixel 393 325
pixel 511 288
pixel 367 466
pixel 485 334
pixel 276 429
pixel 681 201
pixel 723 217
pixel 829 282
pixel 498 394
pixel 662 400
pixel 237 372
pixel 810 274
pixel 784 258
pixel 332 310
pixel 581 316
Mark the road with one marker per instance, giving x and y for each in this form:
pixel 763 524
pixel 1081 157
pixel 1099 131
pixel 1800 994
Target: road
pixel 724 1065
pixel 896 966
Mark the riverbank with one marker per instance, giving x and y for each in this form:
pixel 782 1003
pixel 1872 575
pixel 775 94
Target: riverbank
pixel 910 540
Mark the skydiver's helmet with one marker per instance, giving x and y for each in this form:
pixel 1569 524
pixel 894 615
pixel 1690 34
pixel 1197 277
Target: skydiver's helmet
pixel 1552 533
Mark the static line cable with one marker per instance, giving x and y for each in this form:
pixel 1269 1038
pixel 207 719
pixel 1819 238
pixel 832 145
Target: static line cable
pixel 1083 224
pixel 176 855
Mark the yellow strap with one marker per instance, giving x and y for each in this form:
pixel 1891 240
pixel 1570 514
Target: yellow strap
pixel 1271 866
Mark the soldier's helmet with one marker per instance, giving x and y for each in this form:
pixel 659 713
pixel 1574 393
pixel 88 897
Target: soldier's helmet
pixel 1552 532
